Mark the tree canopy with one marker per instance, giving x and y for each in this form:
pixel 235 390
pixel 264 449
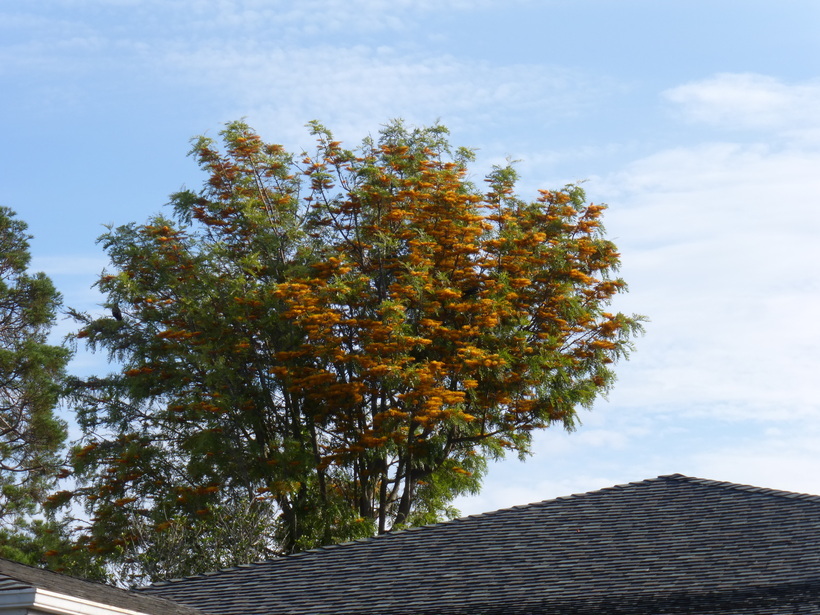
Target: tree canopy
pixel 333 344
pixel 31 372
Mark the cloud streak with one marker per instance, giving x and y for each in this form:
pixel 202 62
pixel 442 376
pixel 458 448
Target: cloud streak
pixel 719 246
pixel 350 87
pixel 750 101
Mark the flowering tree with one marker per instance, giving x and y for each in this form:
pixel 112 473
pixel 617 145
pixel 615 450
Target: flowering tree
pixel 338 341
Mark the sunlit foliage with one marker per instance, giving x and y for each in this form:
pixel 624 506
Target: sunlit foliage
pixel 340 340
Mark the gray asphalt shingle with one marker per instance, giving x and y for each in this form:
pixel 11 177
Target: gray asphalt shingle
pixel 672 544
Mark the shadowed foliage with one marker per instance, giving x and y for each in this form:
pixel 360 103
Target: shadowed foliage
pixel 31 375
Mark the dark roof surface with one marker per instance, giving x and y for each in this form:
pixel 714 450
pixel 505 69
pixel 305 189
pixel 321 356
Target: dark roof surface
pixel 14 576
pixel 673 544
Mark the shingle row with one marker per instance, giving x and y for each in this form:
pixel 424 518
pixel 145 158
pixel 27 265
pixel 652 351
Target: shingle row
pixel 670 544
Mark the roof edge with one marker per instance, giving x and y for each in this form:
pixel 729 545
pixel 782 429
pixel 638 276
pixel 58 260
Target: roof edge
pixel 58 603
pixel 29 587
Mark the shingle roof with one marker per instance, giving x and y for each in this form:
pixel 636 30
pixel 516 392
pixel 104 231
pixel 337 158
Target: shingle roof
pixel 672 544
pixel 15 577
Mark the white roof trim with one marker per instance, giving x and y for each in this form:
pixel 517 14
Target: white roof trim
pixel 58 604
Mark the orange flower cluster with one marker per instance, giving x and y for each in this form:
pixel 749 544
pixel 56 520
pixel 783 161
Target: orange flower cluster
pixel 350 337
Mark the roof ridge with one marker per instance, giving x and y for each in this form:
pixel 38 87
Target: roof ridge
pixel 792 495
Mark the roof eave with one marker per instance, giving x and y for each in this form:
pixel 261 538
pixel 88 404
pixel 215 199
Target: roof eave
pixel 21 601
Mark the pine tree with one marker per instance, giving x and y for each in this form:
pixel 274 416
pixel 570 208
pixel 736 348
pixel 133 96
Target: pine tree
pixel 31 374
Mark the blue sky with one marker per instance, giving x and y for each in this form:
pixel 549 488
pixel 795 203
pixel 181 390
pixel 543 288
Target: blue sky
pixel 697 122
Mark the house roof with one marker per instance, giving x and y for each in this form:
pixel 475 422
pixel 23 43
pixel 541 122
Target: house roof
pixel 672 544
pixel 24 587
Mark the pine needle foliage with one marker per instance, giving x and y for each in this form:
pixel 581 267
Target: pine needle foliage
pixel 31 372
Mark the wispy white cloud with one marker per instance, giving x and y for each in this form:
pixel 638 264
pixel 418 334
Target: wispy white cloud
pixel 259 19
pixel 349 87
pixel 752 101
pixel 283 67
pixel 720 249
